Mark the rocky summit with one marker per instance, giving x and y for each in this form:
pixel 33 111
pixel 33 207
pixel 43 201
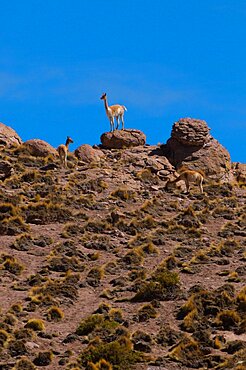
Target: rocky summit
pixel 103 266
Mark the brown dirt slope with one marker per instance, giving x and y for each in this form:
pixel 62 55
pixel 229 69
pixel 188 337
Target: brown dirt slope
pixel 101 267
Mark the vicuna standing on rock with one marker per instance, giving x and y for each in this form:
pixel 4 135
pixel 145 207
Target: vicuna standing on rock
pixel 188 176
pixel 63 150
pixel 114 111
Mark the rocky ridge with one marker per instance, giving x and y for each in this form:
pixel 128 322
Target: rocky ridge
pixel 101 267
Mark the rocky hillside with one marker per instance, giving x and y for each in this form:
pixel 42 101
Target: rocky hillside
pixel 102 268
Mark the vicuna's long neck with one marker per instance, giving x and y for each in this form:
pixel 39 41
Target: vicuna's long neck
pixel 67 143
pixel 106 104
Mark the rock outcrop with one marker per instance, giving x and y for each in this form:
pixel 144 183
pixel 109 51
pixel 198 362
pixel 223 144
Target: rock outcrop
pixel 6 170
pixel 239 171
pixel 123 139
pixel 192 145
pixel 87 154
pixel 39 148
pixel 8 136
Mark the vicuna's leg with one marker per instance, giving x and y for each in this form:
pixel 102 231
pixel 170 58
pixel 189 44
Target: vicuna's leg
pixel 187 184
pixel 122 121
pixel 117 122
pixel 65 160
pixel 60 156
pixel 200 184
pixel 111 124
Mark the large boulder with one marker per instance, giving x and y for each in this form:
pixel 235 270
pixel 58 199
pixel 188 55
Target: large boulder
pixel 8 136
pixel 87 154
pixel 191 145
pixel 191 132
pixel 119 139
pixel 39 148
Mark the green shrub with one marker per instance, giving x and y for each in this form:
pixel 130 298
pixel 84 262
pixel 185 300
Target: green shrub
pixel 55 314
pixel 35 324
pixel 146 312
pixel 163 285
pixel 119 353
pixel 24 364
pixel 88 325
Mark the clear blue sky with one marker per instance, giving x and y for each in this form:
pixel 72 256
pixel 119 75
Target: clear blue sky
pixel 162 59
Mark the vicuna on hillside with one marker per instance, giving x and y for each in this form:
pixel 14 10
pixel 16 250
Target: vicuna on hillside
pixel 188 176
pixel 63 150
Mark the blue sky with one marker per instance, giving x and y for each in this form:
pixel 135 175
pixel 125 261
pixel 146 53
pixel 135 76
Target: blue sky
pixel 162 59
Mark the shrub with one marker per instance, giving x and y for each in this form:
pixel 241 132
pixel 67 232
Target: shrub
pixel 35 324
pixel 146 312
pixel 13 226
pixel 30 176
pixel 147 222
pixel 43 358
pixel 46 212
pixel 119 353
pixel 64 264
pixel 94 276
pixel 115 314
pixel 72 229
pixel 227 319
pixel 23 242
pixel 3 337
pixel 164 285
pixel 146 176
pixel 188 352
pixel 24 333
pixel 124 194
pixel 10 319
pixel 55 314
pixel 65 288
pixel 88 325
pixel 17 347
pixel 12 265
pixel 100 365
pixel 133 258
pixel 7 210
pixel 24 364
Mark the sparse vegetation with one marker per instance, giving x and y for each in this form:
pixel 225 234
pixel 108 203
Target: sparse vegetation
pixel 109 232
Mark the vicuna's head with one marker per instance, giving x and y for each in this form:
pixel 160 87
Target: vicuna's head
pixel 103 97
pixel 170 185
pixel 69 140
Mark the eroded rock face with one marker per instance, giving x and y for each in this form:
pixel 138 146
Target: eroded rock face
pixel 39 148
pixel 8 136
pixel 123 139
pixel 192 145
pixel 87 154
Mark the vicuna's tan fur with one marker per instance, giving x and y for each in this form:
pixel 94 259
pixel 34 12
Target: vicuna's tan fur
pixel 188 176
pixel 114 111
pixel 63 150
